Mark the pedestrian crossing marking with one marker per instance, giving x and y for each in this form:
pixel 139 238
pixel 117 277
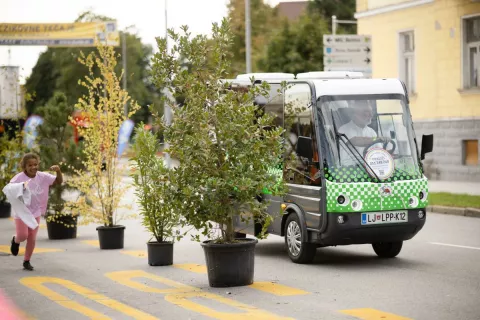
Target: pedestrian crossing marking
pixel 184 296
pixel 38 284
pixel 372 314
pixel 21 252
pixel 277 289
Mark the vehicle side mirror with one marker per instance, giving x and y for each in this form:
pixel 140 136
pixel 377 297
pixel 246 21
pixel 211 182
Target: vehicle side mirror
pixel 304 147
pixel 427 145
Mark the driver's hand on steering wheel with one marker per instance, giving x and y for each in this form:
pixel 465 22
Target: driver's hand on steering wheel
pixel 383 139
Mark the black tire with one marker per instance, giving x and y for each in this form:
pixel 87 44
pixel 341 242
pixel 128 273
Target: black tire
pixel 306 251
pixel 387 249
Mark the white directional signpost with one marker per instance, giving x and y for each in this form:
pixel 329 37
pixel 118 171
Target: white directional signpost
pixel 347 53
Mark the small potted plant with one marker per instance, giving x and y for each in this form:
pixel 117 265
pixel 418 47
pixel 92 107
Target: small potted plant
pixel 155 191
pixel 225 148
pixel 56 145
pixel 11 151
pixel 100 180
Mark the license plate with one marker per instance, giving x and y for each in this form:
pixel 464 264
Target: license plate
pixel 384 217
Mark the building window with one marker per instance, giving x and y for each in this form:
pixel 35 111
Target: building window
pixel 407 60
pixel 471 38
pixel 470 152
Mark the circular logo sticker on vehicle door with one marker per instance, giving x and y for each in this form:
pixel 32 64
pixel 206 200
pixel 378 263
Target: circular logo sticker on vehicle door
pixel 381 162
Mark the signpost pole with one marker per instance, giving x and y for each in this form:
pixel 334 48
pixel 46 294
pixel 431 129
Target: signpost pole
pixel 334 25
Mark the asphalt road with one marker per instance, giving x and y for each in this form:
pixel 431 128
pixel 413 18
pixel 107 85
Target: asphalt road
pixel 436 276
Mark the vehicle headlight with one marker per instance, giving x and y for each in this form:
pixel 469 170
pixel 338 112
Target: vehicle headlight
pixel 413 202
pixel 422 195
pixel 357 205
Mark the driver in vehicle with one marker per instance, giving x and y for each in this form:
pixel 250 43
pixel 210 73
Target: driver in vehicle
pixel 358 132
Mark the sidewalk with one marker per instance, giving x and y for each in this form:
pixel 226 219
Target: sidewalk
pixel 455 187
pixel 458 187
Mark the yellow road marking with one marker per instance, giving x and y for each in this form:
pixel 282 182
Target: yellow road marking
pixel 94 243
pixel 277 289
pixel 192 267
pixel 372 314
pixel 21 252
pixel 180 295
pixel 137 254
pixel 38 284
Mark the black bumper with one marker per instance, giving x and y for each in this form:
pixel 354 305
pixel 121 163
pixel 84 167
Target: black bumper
pixel 353 232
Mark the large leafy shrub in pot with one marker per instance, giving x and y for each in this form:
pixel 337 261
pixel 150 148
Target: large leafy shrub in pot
pixel 226 149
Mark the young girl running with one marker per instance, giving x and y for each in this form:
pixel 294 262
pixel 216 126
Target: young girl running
pixel 38 183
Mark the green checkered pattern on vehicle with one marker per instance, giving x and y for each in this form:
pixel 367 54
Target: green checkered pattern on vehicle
pixel 368 196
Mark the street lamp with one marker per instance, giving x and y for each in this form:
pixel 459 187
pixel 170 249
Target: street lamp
pixel 166 108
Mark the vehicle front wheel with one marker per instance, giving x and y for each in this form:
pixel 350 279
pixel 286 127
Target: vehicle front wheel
pixel 298 251
pixel 387 249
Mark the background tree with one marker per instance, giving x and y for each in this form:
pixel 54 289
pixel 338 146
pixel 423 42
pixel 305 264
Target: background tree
pixel 264 20
pixel 342 9
pixel 57 69
pixel 296 47
pixel 57 146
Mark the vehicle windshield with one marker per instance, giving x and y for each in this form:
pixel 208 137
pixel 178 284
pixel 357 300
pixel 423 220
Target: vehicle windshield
pixel 368 138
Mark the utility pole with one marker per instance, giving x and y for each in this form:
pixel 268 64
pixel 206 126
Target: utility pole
pixel 248 36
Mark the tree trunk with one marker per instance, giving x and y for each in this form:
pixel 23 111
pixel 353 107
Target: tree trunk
pixel 229 234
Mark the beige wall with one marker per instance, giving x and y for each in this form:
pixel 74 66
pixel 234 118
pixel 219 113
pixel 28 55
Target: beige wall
pixel 438 54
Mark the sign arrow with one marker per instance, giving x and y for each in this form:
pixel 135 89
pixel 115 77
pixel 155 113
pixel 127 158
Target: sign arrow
pixel 367 49
pixel 367 60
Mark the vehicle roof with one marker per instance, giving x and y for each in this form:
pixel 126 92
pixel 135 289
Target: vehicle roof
pixel 334 87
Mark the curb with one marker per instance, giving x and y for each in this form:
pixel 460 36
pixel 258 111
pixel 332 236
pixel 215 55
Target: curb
pixel 466 212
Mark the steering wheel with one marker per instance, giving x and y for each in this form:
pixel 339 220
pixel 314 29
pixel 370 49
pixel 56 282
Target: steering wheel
pixel 385 144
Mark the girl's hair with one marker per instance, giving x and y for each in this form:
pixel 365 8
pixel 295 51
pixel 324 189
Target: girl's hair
pixel 26 157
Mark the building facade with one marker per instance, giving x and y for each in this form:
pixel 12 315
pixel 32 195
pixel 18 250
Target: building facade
pixel 434 47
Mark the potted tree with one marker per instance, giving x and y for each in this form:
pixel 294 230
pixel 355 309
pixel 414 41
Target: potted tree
pixel 11 151
pixel 225 148
pixel 57 145
pixel 100 180
pixel 155 190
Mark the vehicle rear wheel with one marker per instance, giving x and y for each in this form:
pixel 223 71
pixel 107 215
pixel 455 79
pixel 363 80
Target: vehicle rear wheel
pixel 387 249
pixel 298 250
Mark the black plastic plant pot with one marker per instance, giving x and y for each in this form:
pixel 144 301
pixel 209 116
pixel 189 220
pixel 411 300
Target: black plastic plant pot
pixel 230 265
pixel 5 210
pixel 58 231
pixel 160 253
pixel 111 237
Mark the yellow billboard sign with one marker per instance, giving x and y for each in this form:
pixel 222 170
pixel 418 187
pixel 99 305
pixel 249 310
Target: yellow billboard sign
pixel 79 34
